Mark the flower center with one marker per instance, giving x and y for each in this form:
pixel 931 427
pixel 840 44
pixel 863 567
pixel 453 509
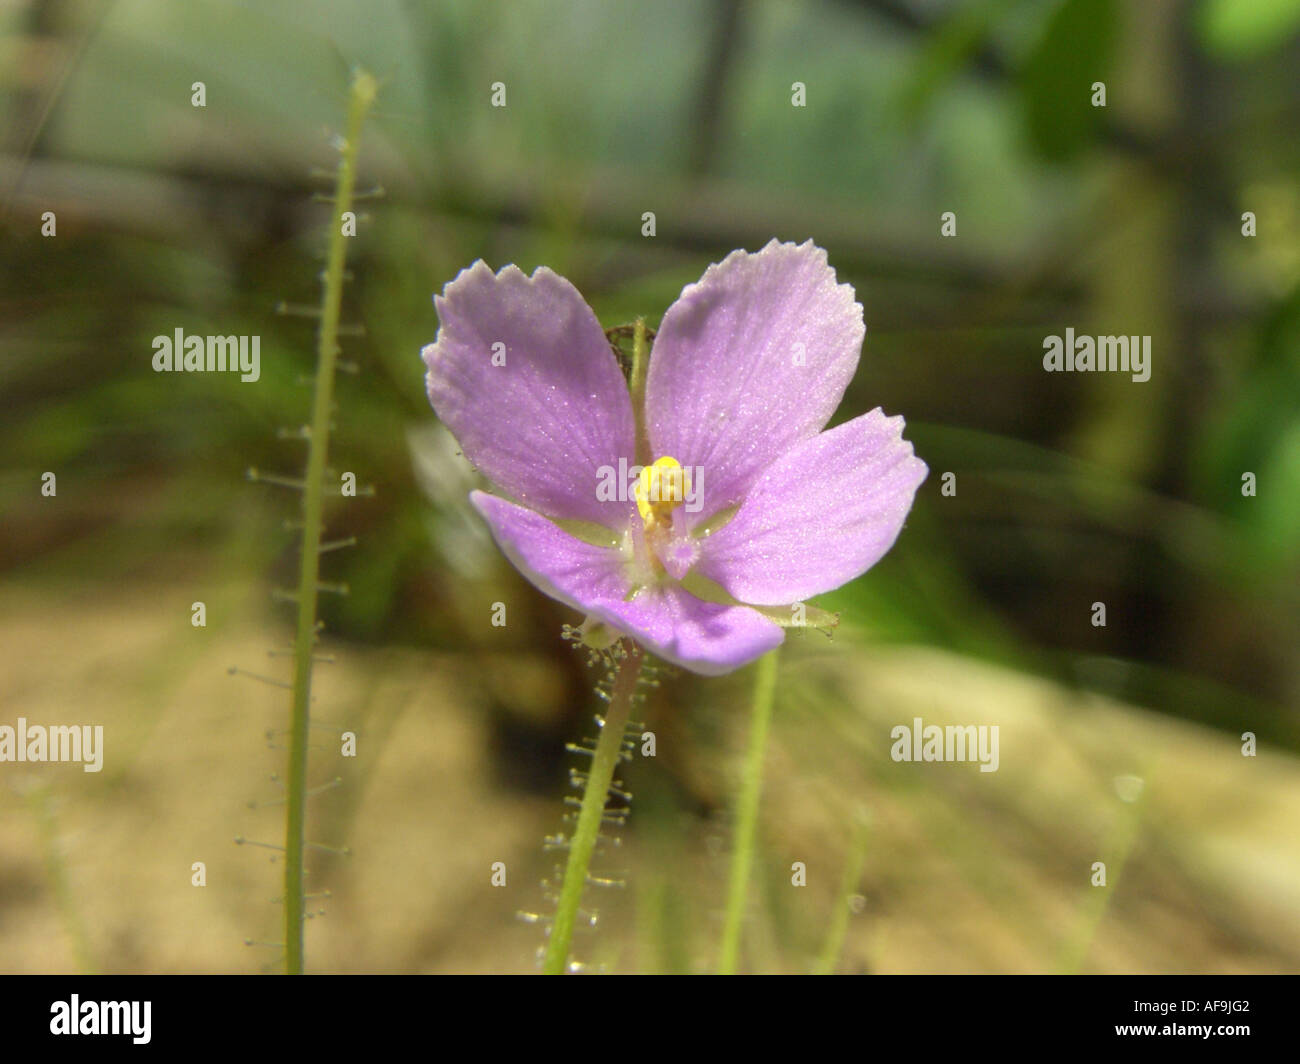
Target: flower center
pixel 660 488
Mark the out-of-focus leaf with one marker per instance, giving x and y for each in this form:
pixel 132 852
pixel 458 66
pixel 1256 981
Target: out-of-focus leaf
pixel 1260 433
pixel 1075 50
pixel 1237 29
pixel 948 46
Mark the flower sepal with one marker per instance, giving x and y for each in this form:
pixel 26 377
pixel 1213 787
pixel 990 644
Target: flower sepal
pixel 801 615
pixel 795 615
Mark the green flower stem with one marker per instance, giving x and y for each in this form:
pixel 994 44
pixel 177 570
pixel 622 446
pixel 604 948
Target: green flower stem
pixel 42 805
pixel 361 97
pixel 1118 849
pixel 583 843
pixel 839 925
pixel 742 854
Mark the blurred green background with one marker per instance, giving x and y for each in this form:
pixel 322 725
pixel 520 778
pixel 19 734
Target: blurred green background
pixel 1070 488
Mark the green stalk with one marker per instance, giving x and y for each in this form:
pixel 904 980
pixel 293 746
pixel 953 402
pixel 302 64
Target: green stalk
pixel 742 855
pixel 583 843
pixel 1118 850
pixel 839 925
pixel 42 805
pixel 361 97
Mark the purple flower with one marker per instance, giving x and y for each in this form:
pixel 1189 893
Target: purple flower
pixel 744 504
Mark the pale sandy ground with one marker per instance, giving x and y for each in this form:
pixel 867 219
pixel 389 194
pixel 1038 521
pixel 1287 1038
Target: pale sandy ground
pixel 965 872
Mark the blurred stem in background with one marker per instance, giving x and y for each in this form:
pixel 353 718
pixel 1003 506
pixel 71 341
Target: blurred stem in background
pixel 640 368
pixel 1114 856
pixel 742 855
pixel 839 925
pixel 41 802
pixel 609 748
pixel 362 96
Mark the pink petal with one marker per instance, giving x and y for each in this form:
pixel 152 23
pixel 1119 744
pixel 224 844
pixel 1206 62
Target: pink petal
pixel 701 636
pixel 705 637
pixel 751 360
pixel 823 514
pixel 540 426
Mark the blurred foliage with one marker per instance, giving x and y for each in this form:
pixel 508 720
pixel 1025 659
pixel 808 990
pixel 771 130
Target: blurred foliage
pixel 1241 28
pixel 1076 50
pixel 174 216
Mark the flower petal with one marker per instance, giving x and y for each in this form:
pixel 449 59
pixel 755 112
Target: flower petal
pixel 749 361
pixel 704 637
pixel 821 515
pixel 541 425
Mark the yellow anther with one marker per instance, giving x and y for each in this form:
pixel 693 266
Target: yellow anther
pixel 659 488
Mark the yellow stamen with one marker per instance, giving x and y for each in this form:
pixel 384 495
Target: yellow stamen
pixel 661 487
